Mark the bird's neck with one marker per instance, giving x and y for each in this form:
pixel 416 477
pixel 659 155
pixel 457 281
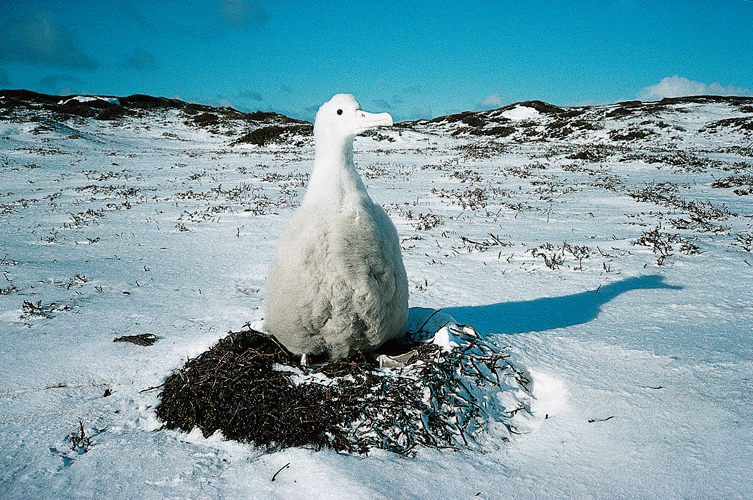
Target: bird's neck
pixel 334 179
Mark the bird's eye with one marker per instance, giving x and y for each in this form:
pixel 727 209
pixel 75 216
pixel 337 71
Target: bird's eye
pixel 339 111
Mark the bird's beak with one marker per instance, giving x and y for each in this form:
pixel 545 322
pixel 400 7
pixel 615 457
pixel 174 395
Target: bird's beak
pixel 370 120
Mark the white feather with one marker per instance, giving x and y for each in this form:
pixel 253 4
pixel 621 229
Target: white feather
pixel 337 283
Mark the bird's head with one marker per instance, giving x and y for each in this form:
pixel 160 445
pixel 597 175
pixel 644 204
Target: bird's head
pixel 341 118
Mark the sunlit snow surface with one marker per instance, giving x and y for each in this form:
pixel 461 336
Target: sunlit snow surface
pixel 641 354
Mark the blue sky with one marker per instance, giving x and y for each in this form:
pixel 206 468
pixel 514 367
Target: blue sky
pixel 411 58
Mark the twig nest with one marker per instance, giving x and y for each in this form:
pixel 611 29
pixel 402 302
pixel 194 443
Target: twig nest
pixel 451 390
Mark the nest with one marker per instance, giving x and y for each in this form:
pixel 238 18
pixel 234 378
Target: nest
pixel 253 390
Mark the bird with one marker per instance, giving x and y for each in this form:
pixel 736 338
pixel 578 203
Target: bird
pixel 337 283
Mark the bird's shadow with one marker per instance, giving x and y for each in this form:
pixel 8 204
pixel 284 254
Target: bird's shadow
pixel 542 314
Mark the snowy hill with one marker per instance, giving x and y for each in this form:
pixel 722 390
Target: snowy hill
pixel 662 123
pixel 609 246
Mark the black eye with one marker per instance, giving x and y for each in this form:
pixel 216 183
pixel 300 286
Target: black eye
pixel 339 111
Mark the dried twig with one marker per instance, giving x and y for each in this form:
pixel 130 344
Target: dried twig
pixel 281 469
pixel 253 390
pixel 143 339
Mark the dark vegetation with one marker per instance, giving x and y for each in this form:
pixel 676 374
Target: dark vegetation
pixel 743 183
pixel 563 123
pixel 491 123
pixel 250 388
pixel 80 442
pixel 133 105
pixel 48 311
pixel 143 339
pixel 592 153
pixel 745 123
pixel 272 128
pixel 631 134
pixel 276 134
pixel 701 216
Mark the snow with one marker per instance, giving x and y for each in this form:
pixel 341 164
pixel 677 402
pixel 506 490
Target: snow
pixel 519 113
pixel 87 98
pixel 641 369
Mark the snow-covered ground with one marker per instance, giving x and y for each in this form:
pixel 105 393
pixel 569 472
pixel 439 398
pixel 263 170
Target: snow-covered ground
pixel 609 246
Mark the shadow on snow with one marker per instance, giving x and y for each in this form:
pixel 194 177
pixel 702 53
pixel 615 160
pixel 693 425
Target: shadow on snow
pixel 550 312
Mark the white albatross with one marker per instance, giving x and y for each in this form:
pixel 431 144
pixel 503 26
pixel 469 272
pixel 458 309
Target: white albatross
pixel 337 283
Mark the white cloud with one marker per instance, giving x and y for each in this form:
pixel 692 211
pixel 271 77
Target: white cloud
pixel 221 102
pixel 492 101
pixel 40 39
pixel 677 86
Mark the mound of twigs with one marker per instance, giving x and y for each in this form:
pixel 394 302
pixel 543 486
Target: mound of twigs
pixel 250 388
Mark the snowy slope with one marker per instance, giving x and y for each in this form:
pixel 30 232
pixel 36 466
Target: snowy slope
pixel 610 246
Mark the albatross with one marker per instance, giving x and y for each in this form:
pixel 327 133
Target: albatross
pixel 337 283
